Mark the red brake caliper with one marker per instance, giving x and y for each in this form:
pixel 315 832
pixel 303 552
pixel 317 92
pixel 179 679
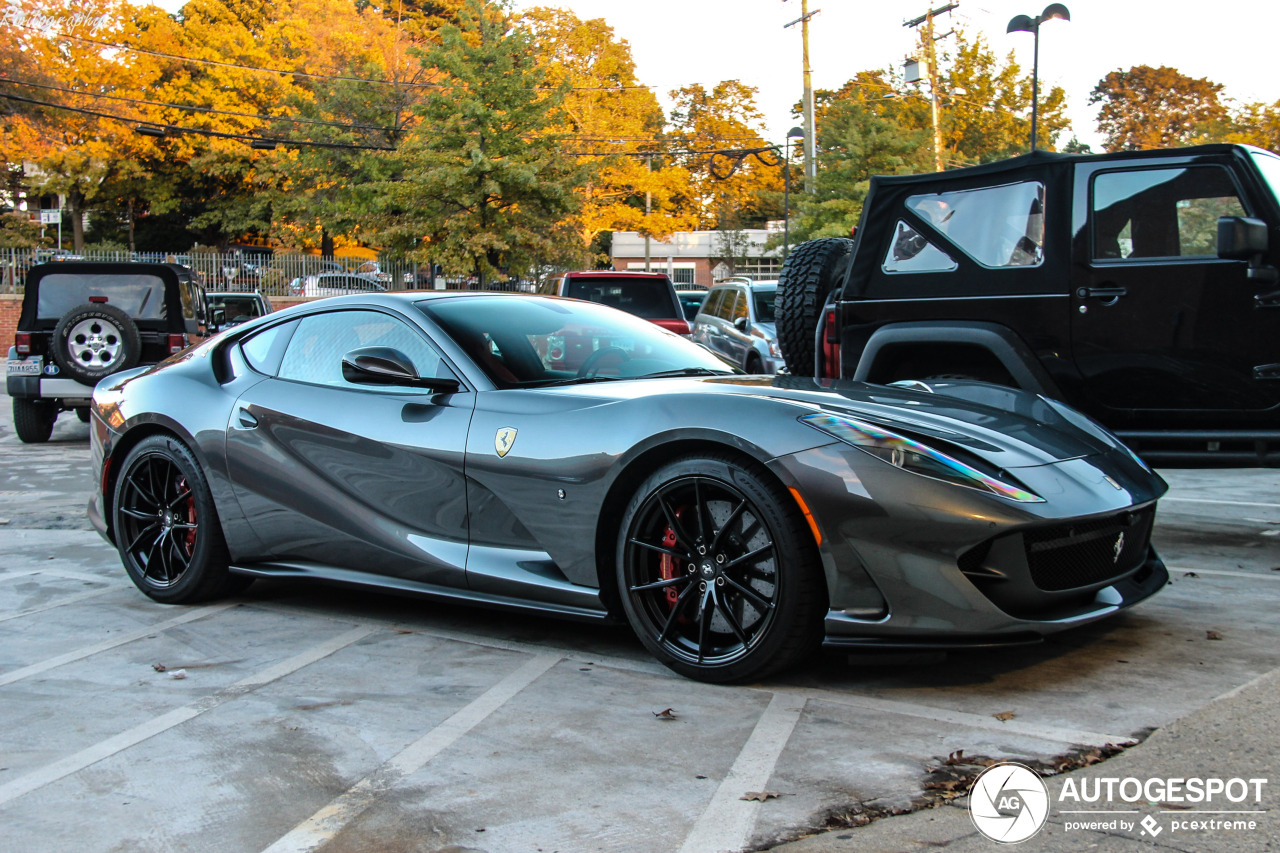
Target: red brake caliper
pixel 667 568
pixel 190 539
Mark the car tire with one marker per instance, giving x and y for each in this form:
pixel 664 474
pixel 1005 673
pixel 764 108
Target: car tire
pixel 93 341
pixel 717 571
pixel 83 415
pixel 166 526
pixel 33 420
pixel 754 364
pixel 809 274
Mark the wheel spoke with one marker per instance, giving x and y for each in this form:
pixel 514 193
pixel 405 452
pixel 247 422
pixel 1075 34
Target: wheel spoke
pixel 136 484
pixel 675 525
pixel 173 503
pixel 151 555
pixel 704 620
pixel 733 516
pixel 761 603
pixel 750 556
pixel 138 514
pixel 727 612
pixel 662 584
pixel 661 550
pixel 699 509
pixel 183 559
pixel 141 533
pixel 675 609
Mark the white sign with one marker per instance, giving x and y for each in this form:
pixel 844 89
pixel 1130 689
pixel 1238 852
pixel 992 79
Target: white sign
pixel 51 217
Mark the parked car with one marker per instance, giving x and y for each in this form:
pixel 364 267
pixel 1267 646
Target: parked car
pixel 1141 287
pixel 691 302
pixel 84 320
pixel 232 308
pixel 449 445
pixel 373 270
pixel 338 283
pixel 736 323
pixel 650 295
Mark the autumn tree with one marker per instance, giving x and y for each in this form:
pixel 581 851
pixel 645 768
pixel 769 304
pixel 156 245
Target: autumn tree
pixel 483 187
pixel 1147 107
pixel 731 189
pixel 614 123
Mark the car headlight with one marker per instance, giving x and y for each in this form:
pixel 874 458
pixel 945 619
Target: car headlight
pixel 911 455
pixel 774 350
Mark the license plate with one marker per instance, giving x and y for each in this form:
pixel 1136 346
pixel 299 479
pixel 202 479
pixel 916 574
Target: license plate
pixel 27 367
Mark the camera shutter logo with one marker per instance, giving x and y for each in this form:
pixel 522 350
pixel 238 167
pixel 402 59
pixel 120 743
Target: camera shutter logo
pixel 1008 803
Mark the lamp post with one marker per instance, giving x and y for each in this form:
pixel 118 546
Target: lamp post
pixel 1028 24
pixel 793 133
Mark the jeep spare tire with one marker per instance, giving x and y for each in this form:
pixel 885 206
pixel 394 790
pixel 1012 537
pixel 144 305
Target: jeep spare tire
pixel 93 341
pixel 809 274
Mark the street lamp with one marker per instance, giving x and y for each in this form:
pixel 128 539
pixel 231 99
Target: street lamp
pixel 1027 24
pixel 793 133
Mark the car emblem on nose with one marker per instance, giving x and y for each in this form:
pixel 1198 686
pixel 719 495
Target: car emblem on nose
pixel 1117 548
pixel 504 439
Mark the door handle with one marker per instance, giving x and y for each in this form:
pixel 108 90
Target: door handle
pixel 1267 300
pixel 1109 295
pixel 247 420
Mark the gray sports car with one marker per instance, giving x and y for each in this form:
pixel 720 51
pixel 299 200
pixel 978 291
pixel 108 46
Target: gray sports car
pixel 547 454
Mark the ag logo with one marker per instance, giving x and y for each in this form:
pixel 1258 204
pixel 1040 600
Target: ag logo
pixel 504 439
pixel 1008 803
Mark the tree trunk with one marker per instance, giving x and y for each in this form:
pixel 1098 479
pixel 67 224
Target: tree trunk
pixel 326 243
pixel 75 204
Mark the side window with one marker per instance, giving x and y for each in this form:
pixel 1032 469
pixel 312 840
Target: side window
pixel 726 308
pixel 314 354
pixel 996 226
pixel 911 252
pixel 712 306
pixel 741 311
pixel 1161 213
pixel 264 350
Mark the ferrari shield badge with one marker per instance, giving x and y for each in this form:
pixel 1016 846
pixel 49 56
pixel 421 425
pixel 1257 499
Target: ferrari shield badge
pixel 504 439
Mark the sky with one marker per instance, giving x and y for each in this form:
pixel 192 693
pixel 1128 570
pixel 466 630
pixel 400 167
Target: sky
pixel 679 42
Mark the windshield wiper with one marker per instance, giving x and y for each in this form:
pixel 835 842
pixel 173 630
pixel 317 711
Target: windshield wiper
pixel 580 380
pixel 684 371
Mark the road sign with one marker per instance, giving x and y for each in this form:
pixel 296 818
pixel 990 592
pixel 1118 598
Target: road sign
pixel 51 217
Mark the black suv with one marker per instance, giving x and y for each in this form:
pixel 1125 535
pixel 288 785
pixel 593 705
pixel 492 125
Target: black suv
pixel 83 321
pixel 1139 287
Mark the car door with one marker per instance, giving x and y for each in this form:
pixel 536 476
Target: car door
pixel 354 477
pixel 1159 321
pixel 738 328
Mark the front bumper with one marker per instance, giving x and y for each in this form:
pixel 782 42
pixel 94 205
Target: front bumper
pixel 912 562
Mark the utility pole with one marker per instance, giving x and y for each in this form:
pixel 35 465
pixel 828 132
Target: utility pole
pixel 931 61
pixel 810 140
pixel 648 208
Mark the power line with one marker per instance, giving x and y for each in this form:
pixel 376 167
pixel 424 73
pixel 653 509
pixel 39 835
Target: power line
pixel 194 109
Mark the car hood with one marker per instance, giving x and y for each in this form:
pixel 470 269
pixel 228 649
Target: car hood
pixel 1009 427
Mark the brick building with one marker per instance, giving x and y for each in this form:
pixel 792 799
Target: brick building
pixel 702 257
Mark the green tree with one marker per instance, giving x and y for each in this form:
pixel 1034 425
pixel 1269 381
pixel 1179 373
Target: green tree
pixel 483 188
pixel 1147 107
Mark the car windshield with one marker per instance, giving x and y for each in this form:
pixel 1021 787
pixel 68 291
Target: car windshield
pixel 527 341
pixel 764 298
pixel 645 297
pixel 1269 165
pixel 236 308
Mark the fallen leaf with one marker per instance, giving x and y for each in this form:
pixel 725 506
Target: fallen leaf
pixel 1179 806
pixel 1190 575
pixel 760 796
pixel 666 714
pixel 159 667
pixel 1004 716
pixel 1212 635
pixel 956 757
pixel 1275 568
pixel 178 674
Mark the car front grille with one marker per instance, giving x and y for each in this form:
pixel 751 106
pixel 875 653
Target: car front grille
pixel 1084 553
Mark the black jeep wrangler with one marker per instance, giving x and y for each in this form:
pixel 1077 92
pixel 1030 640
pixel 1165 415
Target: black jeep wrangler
pixel 82 321
pixel 1139 287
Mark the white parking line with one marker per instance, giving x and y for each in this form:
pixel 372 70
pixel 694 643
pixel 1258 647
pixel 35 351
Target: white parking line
pixel 1273 576
pixel 70 599
pixel 1212 501
pixel 131 737
pixel 1059 734
pixel 322 826
pixel 13 576
pixel 118 640
pixel 727 821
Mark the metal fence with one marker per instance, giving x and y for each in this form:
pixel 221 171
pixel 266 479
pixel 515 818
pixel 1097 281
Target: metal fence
pixel 275 275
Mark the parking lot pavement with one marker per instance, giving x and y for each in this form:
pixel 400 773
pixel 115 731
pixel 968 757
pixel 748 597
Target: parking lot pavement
pixel 314 718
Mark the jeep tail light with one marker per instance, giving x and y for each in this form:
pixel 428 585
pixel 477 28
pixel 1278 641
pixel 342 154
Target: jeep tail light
pixel 831 346
pixel 177 343
pixel 98 300
pixel 22 343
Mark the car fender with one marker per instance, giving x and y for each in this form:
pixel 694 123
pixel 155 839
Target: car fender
pixel 1001 342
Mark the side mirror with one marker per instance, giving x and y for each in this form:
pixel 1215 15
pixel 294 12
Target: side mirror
pixel 1241 238
pixel 387 366
pixel 741 324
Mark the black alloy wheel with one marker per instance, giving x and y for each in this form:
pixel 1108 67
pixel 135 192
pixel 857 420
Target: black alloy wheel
pixel 166 528
pixel 718 571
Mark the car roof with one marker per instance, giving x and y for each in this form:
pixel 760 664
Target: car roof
pixel 616 274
